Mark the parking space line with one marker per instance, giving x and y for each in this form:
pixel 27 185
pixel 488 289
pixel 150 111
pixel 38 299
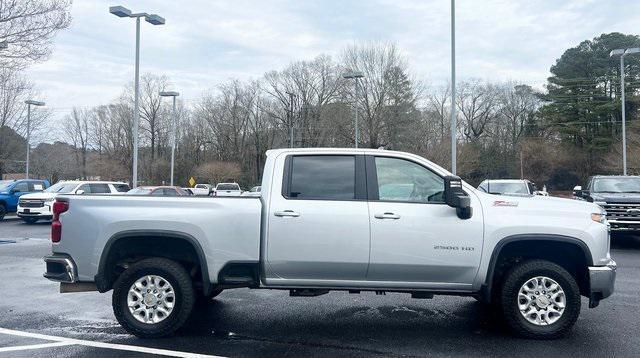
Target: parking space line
pixel 35 346
pixel 120 347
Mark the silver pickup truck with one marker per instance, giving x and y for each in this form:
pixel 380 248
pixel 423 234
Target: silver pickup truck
pixel 337 219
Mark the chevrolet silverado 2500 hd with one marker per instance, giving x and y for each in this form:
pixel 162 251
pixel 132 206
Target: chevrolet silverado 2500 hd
pixel 337 219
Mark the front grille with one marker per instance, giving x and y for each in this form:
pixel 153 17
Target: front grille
pixel 623 216
pixel 31 203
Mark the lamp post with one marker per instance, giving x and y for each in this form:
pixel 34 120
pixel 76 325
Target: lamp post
pixel 153 19
pixel 291 95
pixel 355 75
pixel 29 104
pixel 454 124
pixel 173 127
pixel 623 52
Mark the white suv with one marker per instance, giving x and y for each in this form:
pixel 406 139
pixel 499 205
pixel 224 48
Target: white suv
pixel 37 206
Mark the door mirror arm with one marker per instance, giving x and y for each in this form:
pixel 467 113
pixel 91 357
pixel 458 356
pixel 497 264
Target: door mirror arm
pixel 456 197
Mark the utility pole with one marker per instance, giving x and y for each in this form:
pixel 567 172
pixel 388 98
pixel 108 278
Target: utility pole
pixel 291 95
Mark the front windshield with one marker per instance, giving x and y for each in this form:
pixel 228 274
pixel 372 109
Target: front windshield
pixel 61 188
pixel 616 185
pixel 4 184
pixel 504 188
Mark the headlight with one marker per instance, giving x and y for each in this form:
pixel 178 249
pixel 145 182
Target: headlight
pixel 599 217
pixel 601 203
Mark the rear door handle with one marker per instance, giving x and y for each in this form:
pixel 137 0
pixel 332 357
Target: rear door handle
pixel 290 213
pixel 387 216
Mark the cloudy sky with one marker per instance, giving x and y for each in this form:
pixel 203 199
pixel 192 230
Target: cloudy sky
pixel 206 42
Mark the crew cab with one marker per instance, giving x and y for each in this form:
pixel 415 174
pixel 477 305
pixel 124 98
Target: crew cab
pixel 38 206
pixel 618 195
pixel 353 220
pixel 12 190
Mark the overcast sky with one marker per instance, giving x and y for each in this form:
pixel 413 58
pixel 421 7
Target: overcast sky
pixel 206 42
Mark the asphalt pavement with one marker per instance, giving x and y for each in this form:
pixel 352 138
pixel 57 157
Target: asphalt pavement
pixel 37 321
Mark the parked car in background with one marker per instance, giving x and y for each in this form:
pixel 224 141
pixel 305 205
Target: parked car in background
pixel 510 187
pixel 188 190
pixel 202 189
pixel 12 190
pixel 37 206
pixel 255 191
pixel 227 189
pixel 337 219
pixel 158 191
pixel 618 195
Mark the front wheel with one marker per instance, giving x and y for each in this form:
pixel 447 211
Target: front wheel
pixel 540 300
pixel 153 298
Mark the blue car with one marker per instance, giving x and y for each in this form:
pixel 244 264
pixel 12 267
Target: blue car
pixel 11 190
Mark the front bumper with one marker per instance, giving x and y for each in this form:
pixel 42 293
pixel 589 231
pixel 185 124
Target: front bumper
pixel 43 212
pixel 624 225
pixel 60 268
pixel 601 280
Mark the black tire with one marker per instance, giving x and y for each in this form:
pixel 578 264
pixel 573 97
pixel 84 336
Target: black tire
pixel 3 211
pixel 179 279
pixel 516 278
pixel 30 220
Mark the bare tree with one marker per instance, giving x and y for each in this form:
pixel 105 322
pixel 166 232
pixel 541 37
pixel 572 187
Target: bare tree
pixel 78 131
pixel 28 26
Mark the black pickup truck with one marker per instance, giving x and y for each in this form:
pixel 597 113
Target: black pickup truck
pixel 619 196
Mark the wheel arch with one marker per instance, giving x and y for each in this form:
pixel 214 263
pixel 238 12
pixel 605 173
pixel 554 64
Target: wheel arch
pixel 522 241
pixel 104 280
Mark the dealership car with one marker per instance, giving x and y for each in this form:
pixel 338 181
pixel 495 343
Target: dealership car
pixel 12 190
pixel 202 189
pixel 158 191
pixel 255 191
pixel 227 189
pixel 337 219
pixel 619 196
pixel 37 206
pixel 510 187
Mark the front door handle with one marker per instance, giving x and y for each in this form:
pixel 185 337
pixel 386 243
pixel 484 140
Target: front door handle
pixel 387 216
pixel 290 213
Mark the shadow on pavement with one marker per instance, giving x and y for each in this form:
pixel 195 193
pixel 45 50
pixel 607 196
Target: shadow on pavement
pixel 625 242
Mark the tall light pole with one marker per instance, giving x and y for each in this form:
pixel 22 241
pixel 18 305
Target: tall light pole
pixel 173 127
pixel 29 104
pixel 355 75
pixel 153 19
pixel 623 52
pixel 291 95
pixel 454 124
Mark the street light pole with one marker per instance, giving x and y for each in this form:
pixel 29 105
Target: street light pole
pixel 29 104
pixel 355 75
pixel 153 19
pixel 622 53
pixel 454 125
pixel 291 95
pixel 173 127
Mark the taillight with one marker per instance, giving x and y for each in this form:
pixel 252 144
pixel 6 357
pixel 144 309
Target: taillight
pixel 59 207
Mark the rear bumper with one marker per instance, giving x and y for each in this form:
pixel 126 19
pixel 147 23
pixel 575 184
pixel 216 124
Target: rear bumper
pixel 601 280
pixel 60 268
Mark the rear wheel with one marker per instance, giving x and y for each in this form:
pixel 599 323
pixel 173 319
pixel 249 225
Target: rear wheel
pixel 540 300
pixel 153 298
pixel 30 220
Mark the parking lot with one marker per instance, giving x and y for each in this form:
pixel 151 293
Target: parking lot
pixel 37 321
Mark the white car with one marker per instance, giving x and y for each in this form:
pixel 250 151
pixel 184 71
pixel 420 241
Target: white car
pixel 511 187
pixel 202 189
pixel 227 189
pixel 255 191
pixel 37 206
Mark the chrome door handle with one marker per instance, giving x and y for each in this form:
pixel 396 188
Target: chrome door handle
pixel 290 213
pixel 387 216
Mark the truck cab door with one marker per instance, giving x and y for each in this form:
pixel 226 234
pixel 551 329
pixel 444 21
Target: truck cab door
pixel 318 220
pixel 415 237
pixel 17 191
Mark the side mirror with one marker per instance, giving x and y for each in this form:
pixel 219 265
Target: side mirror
pixel 15 191
pixel 577 191
pixel 456 197
pixel 79 192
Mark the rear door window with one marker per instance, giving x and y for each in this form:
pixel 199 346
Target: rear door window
pixel 328 177
pixel 99 188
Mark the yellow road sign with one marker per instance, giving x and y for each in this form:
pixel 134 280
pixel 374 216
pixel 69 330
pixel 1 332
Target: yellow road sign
pixel 192 182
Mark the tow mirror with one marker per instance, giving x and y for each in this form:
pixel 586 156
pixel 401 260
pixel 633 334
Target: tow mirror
pixel 456 197
pixel 577 191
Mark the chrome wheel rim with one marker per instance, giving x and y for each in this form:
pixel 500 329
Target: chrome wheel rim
pixel 151 299
pixel 541 301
